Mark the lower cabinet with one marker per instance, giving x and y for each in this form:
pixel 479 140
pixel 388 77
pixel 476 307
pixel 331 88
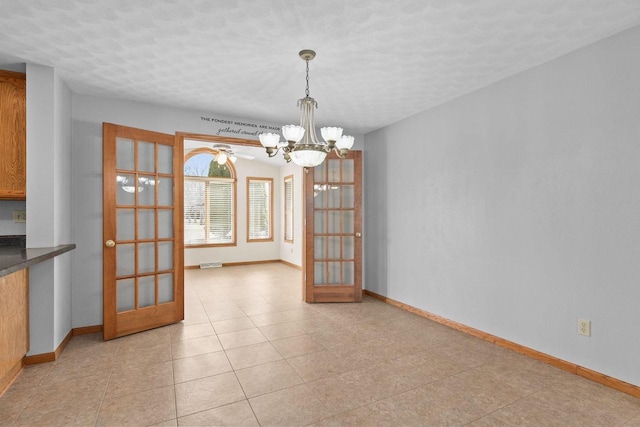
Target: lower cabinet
pixel 14 324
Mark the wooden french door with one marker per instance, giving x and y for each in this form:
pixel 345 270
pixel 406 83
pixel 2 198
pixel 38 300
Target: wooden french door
pixel 143 275
pixel 333 230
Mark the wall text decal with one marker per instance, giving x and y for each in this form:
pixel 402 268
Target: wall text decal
pixel 233 127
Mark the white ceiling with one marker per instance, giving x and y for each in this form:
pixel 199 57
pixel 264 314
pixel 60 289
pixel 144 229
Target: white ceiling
pixel 378 60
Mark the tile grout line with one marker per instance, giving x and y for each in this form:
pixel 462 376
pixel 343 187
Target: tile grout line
pixel 173 375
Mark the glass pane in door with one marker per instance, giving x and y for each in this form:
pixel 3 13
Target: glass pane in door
pixel 165 288
pixel 165 223
pixel 146 291
pixel 165 159
pixel 125 259
pixel 125 189
pixel 146 224
pixel 126 224
pixel 125 294
pixel 146 156
pixel 124 154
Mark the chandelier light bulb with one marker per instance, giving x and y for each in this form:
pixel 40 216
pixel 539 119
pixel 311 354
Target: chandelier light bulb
pixel 331 134
pixel 269 140
pixel 292 132
pixel 345 142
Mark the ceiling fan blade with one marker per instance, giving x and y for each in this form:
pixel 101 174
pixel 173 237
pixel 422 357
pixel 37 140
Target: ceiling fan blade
pixel 244 156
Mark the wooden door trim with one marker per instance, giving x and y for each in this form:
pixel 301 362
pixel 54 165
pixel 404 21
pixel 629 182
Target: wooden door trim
pixel 108 223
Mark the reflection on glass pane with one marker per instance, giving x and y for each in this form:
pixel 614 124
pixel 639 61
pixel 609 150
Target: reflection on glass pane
pixel 125 260
pixel 319 273
pixel 348 196
pixel 147 190
pixel 165 288
pixel 124 154
pixel 165 223
pixel 347 273
pixel 334 273
pixel 320 173
pixel 146 257
pixel 347 170
pixel 347 222
pixel 334 247
pixel 333 168
pixel 334 221
pixel 125 224
pixel 334 196
pixel 126 187
pixel 125 295
pixel 146 291
pixel 319 222
pixel 165 191
pixel 348 248
pixel 319 247
pixel 146 224
pixel 165 256
pixel 165 158
pixel 146 156
pixel 320 196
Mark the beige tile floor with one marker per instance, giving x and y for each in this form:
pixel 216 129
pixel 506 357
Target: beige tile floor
pixel 250 353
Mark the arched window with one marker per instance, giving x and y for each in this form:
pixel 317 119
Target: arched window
pixel 209 200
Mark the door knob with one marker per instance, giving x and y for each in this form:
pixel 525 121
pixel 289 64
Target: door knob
pixel 110 243
pixel 358 234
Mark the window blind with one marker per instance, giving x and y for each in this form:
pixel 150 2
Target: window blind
pixel 259 206
pixel 220 212
pixel 288 209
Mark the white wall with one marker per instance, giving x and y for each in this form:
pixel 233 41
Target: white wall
pixel 48 205
pixel 244 251
pixel 515 209
pixel 62 208
pixel 7 226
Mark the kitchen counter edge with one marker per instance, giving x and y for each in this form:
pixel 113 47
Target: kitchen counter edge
pixel 13 258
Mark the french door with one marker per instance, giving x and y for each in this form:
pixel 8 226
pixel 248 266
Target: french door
pixel 143 277
pixel 333 230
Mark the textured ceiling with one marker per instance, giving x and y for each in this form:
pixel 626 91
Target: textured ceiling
pixel 378 60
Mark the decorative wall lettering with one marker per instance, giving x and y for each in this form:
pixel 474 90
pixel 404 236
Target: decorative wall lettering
pixel 232 127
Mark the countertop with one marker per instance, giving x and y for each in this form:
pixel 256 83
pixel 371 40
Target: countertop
pixel 14 258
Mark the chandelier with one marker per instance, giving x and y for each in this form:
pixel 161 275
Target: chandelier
pixel 302 145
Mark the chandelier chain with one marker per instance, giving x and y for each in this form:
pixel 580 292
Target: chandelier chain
pixel 307 90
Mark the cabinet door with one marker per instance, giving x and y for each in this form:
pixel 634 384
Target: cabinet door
pixel 13 119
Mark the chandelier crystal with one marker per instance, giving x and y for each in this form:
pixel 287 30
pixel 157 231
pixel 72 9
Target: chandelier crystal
pixel 302 145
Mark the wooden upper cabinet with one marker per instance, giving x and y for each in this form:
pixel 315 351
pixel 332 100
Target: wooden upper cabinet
pixel 13 135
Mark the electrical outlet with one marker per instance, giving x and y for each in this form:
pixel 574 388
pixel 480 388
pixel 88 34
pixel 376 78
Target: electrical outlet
pixel 584 327
pixel 19 216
